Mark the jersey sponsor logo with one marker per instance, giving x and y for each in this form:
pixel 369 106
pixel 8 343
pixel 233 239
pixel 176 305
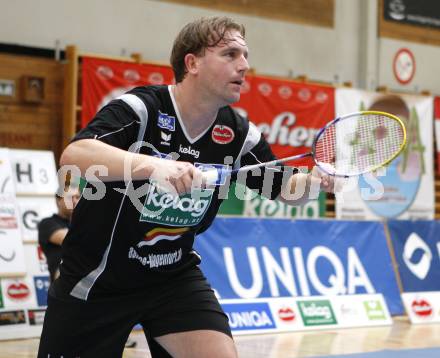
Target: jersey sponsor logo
pixel 156 260
pixel 18 291
pixel 221 171
pixel 189 150
pixel 161 233
pixel 165 138
pixel 222 134
pixel 166 209
pixel 165 121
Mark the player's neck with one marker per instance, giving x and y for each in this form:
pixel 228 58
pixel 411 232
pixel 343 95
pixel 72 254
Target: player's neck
pixel 196 112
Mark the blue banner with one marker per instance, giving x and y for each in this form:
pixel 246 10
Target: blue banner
pixel 417 249
pixel 251 258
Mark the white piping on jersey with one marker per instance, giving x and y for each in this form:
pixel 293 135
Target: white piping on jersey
pixel 116 131
pixel 83 287
pixel 252 138
pixel 179 118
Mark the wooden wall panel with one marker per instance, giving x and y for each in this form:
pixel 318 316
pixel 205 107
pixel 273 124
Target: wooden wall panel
pixel 310 12
pixel 32 125
pixel 405 32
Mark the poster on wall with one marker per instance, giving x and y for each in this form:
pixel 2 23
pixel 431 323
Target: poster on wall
pixel 288 114
pixel 104 80
pixel 6 178
pixel 405 188
pixel 34 172
pixel 11 247
pixel 32 210
pixel 413 12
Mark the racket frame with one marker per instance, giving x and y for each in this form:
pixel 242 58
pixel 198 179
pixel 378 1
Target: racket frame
pixel 338 119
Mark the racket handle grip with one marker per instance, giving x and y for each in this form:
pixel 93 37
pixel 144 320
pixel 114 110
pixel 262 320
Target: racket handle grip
pixel 210 177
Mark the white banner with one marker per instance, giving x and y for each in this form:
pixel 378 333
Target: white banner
pixel 34 172
pixel 11 246
pixel 32 211
pixel 422 307
pixel 6 179
pixel 404 189
pixel 289 314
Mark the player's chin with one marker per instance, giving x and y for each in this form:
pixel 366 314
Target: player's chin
pixel 232 97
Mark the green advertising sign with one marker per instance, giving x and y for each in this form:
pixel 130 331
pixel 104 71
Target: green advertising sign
pixel 374 310
pixel 244 202
pixel 317 312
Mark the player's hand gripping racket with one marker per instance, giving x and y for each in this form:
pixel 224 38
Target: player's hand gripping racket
pixel 350 145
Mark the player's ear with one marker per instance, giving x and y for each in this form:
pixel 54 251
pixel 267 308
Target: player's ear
pixel 191 63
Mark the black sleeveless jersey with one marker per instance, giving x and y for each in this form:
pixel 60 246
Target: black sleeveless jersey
pixel 135 235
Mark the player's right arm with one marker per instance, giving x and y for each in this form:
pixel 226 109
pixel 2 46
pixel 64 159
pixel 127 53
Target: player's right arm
pixel 105 142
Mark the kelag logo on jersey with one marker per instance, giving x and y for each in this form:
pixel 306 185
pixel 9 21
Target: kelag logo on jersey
pixel 167 209
pixel 317 312
pixel 249 316
pixel 221 171
pixel 165 121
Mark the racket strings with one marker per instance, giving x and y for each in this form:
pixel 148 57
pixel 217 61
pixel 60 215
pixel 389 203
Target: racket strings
pixel 359 143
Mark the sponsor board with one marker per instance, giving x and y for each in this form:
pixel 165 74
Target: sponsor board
pixel 18 293
pixel 289 314
pixel 36 317
pixel 10 318
pixel 317 312
pixel 422 307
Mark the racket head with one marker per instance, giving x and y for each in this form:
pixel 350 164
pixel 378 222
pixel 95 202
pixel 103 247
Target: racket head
pixel 359 143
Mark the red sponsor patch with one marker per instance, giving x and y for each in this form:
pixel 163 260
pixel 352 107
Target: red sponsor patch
pixel 222 134
pixel 286 314
pixel 421 308
pixel 18 291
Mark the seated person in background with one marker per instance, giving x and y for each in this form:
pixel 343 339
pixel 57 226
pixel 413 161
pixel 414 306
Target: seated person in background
pixel 53 230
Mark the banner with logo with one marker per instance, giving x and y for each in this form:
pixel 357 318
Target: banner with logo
pixel 417 250
pixel 405 188
pixel 289 114
pixel 251 258
pixel 422 307
pixel 104 80
pixel 289 314
pixel 7 185
pixel 437 128
pixel 11 246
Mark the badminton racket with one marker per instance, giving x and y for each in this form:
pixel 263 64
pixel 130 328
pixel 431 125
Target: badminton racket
pixel 349 145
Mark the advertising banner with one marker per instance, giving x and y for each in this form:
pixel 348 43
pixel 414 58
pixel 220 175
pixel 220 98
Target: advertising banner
pixel 289 114
pixel 104 80
pixel 422 307
pixel 289 314
pixel 405 188
pixel 417 250
pixel 251 258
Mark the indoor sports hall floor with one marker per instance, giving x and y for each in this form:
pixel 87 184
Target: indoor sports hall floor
pixel 401 340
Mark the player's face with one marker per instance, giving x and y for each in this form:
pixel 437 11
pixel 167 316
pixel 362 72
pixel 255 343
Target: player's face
pixel 223 68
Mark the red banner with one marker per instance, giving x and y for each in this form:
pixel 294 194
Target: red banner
pixel 104 80
pixel 288 113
